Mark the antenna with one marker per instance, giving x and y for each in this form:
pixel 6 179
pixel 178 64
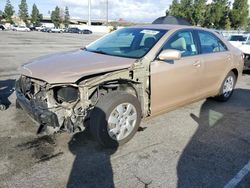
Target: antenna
pixel 89 16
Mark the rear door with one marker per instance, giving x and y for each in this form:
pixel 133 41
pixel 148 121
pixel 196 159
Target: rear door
pixel 174 83
pixel 216 59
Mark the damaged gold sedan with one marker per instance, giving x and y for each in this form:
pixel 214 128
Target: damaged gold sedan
pixel 130 74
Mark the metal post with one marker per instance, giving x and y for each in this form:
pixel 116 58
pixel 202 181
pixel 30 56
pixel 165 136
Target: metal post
pixel 107 12
pixel 89 18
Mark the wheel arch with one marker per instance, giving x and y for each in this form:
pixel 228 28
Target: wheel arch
pixel 236 72
pixel 115 85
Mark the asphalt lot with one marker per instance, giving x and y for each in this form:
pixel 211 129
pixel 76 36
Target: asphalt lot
pixel 204 144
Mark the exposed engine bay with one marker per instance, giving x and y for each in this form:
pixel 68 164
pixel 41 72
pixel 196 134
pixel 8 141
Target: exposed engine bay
pixel 67 107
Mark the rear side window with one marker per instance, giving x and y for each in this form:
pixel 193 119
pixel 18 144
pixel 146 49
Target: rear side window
pixel 210 43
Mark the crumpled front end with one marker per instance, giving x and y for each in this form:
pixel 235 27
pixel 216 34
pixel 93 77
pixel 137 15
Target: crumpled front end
pixel 246 61
pixel 54 107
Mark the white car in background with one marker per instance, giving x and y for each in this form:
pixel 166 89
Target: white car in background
pixel 56 30
pixel 242 42
pixel 237 40
pixel 39 28
pixel 21 28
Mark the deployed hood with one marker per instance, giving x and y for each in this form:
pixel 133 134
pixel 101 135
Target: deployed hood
pixel 71 66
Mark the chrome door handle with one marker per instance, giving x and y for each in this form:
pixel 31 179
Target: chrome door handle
pixel 197 64
pixel 229 57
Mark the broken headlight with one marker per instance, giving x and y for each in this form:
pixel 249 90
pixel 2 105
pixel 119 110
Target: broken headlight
pixel 66 94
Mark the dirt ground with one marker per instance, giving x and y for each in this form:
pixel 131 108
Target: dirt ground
pixel 204 144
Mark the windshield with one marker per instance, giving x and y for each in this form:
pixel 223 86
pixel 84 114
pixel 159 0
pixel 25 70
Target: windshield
pixel 127 42
pixel 238 38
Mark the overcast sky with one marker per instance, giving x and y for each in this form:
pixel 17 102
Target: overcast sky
pixel 129 10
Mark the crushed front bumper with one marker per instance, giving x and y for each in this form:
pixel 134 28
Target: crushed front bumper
pixel 42 116
pixel 246 61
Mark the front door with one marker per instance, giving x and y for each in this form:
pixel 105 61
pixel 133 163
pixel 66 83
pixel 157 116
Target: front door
pixel 176 83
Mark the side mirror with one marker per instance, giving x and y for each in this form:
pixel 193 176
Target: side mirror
pixel 169 55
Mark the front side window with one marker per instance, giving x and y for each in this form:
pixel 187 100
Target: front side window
pixel 210 43
pixel 184 42
pixel 127 42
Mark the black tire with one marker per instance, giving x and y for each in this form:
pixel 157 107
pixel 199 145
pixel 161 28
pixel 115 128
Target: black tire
pixel 100 114
pixel 222 97
pixel 2 107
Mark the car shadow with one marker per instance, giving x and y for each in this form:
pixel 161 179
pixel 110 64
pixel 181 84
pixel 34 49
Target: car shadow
pixel 92 166
pixel 6 89
pixel 220 147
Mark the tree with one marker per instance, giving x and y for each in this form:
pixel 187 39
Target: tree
pixel 216 14
pixel 220 10
pixel 183 9
pixel 66 17
pixel 23 11
pixel 239 14
pixel 8 12
pixel 55 17
pixel 174 9
pixel 228 24
pixel 36 17
pixel 167 12
pixel 248 24
pixel 186 10
pixel 199 10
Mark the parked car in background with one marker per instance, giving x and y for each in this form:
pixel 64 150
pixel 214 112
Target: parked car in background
pixel 21 28
pixel 39 28
pixel 32 28
pixel 2 27
pixel 47 30
pixel 56 30
pixel 86 31
pixel 237 40
pixel 77 30
pixel 242 42
pixel 72 30
pixel 129 74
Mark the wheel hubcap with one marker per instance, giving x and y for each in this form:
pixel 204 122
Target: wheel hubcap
pixel 228 86
pixel 121 121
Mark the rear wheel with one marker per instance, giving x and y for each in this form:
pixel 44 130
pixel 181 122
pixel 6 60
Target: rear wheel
pixel 227 87
pixel 115 119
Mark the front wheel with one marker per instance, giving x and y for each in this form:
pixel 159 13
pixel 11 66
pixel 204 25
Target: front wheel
pixel 115 119
pixel 227 87
pixel 2 107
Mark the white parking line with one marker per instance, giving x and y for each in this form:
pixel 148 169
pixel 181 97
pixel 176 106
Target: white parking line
pixel 239 176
